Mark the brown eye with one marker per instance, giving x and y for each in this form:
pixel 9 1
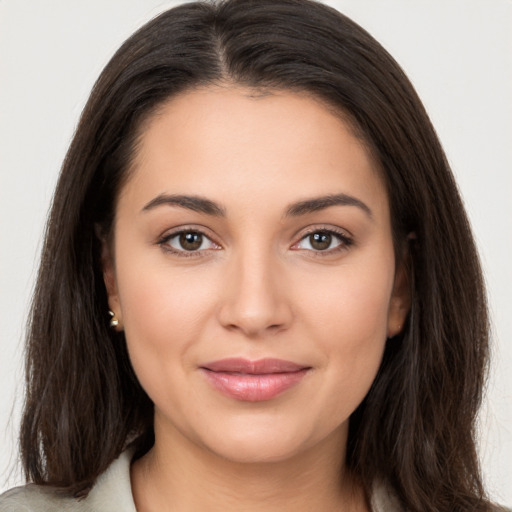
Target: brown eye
pixel 320 241
pixel 324 240
pixel 190 241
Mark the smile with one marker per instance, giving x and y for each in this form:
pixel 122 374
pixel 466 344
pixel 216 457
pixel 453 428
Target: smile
pixel 253 381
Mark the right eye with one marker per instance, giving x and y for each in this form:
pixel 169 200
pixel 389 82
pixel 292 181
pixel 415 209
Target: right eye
pixel 187 241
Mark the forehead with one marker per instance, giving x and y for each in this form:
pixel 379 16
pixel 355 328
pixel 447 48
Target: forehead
pixel 232 141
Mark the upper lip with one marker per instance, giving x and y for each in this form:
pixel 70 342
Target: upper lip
pixel 259 367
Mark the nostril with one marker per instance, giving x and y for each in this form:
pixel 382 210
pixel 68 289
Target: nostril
pixel 251 303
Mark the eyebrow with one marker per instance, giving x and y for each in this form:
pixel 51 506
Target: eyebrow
pixel 321 203
pixel 208 207
pixel 194 203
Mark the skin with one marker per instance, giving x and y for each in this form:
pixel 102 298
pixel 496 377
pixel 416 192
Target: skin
pixel 256 288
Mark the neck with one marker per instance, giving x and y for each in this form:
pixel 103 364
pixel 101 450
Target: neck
pixel 180 476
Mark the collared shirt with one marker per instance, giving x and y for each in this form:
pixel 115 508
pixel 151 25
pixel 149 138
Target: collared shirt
pixel 112 493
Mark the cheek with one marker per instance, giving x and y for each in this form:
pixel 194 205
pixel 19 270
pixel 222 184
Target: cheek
pixel 164 312
pixel 352 305
pixel 160 302
pixel 156 295
pixel 347 317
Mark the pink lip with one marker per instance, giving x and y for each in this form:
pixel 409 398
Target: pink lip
pixel 253 381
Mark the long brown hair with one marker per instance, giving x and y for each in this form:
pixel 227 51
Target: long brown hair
pixel 415 430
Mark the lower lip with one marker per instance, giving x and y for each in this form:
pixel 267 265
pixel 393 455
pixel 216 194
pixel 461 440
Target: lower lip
pixel 253 388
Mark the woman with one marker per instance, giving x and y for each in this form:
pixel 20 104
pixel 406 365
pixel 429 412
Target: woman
pixel 255 239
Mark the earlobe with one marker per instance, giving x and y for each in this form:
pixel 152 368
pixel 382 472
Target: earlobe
pixel 400 303
pixel 109 278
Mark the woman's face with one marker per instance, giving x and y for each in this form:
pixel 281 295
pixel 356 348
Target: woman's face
pixel 253 272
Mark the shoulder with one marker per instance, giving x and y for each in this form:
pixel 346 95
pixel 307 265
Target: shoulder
pixel 383 500
pixel 112 491
pixel 38 498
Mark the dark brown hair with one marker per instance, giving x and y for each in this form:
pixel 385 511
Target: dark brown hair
pixel 415 430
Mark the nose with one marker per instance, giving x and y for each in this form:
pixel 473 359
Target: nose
pixel 255 299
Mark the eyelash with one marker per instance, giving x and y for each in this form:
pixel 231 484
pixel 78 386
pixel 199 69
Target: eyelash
pixel 345 242
pixel 164 243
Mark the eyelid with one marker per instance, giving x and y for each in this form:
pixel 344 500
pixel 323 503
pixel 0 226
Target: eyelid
pixel 345 238
pixel 163 240
pixel 343 235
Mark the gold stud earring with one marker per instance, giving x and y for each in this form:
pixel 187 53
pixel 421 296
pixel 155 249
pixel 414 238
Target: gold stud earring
pixel 114 322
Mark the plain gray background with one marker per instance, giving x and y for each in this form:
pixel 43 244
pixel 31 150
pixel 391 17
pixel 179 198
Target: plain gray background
pixel 458 53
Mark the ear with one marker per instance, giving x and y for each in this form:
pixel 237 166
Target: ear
pixel 109 278
pixel 400 303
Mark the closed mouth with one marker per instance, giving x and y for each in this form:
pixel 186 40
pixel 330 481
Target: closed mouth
pixel 253 381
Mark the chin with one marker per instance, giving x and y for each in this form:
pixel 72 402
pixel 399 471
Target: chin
pixel 260 444
pixel 254 452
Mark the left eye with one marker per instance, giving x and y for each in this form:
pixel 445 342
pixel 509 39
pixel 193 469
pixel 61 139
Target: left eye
pixel 321 241
pixel 189 241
